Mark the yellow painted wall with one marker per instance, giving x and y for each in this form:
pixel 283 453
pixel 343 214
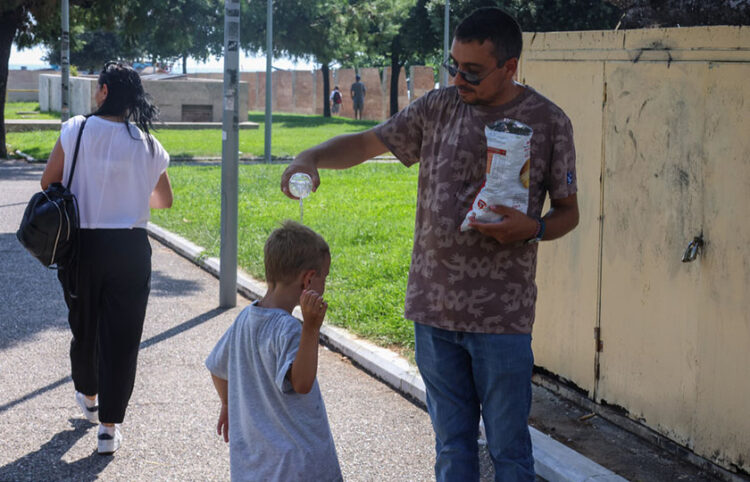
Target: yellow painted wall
pixel 662 130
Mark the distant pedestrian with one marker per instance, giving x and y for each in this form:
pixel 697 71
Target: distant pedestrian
pixel 358 93
pixel 121 172
pixel 336 100
pixel 264 369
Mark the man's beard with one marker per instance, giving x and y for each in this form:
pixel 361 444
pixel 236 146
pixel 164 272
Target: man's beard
pixel 474 101
pixel 462 93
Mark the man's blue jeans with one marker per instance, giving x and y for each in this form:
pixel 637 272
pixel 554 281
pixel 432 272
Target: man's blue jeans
pixel 463 371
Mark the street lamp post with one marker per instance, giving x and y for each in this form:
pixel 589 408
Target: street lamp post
pixel 269 78
pixel 229 156
pixel 65 63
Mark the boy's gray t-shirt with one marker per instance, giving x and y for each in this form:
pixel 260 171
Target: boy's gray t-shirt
pixel 274 432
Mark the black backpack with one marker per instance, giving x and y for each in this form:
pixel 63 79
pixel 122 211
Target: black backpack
pixel 49 228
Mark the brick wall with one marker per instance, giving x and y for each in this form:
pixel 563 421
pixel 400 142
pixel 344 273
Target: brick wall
pixel 301 91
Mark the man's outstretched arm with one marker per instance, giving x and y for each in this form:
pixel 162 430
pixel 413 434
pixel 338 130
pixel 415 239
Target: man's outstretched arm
pixel 340 152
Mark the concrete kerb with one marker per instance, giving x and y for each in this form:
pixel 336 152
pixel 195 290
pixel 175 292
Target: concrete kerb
pixel 553 461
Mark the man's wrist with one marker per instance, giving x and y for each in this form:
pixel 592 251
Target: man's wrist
pixel 540 228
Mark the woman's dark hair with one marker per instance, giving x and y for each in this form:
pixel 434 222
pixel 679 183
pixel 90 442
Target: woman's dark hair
pixel 126 98
pixel 495 25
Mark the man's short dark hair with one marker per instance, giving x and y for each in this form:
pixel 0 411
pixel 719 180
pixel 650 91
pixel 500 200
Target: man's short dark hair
pixel 495 25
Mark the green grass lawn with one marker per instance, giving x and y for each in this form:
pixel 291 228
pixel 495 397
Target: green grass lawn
pixel 37 144
pixel 291 134
pixel 28 110
pixel 366 214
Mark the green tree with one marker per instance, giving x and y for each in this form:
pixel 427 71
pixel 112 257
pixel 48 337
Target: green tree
pixel 409 32
pixel 105 30
pixel 11 19
pixel 319 30
pixel 674 13
pixel 536 15
pixel 157 30
pixel 397 33
pixel 167 30
pixel 30 22
pixel 89 50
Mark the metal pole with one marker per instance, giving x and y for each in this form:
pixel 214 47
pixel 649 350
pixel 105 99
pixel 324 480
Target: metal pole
pixel 229 156
pixel 269 78
pixel 446 41
pixel 65 63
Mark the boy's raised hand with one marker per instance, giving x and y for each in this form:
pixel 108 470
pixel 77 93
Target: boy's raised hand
pixel 313 308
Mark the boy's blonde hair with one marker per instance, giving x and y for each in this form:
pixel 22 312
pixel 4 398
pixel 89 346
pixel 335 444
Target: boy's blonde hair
pixel 292 249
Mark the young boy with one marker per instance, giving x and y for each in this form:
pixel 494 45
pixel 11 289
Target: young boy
pixel 264 369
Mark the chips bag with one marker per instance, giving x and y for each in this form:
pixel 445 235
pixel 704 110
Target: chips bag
pixel 508 163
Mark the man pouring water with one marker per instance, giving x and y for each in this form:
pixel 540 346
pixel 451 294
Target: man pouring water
pixel 471 293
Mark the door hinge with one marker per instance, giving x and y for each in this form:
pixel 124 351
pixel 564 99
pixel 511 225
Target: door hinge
pixel 598 337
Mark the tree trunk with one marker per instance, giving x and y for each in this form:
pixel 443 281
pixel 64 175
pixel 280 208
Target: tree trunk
pixel 395 71
pixel 184 64
pixel 9 22
pixel 326 89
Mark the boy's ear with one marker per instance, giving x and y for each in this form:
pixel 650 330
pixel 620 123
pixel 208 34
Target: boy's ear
pixel 306 278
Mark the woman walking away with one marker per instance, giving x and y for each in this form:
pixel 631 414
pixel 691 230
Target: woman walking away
pixel 120 172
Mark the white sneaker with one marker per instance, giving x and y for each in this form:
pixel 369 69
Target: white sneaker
pixel 109 439
pixel 89 408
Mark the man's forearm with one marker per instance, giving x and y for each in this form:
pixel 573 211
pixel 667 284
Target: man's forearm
pixel 345 151
pixel 560 220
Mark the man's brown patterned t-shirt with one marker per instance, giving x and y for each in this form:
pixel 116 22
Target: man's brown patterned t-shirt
pixel 468 281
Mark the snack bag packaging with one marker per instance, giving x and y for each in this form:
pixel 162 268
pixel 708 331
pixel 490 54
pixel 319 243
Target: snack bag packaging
pixel 508 163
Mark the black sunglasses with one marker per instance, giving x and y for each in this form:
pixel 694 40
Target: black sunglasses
pixel 470 78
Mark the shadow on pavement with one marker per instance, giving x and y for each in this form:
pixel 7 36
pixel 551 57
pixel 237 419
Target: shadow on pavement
pixel 14 204
pixel 31 299
pixel 184 326
pixel 47 464
pixel 21 171
pixel 174 331
pixel 164 285
pixel 34 394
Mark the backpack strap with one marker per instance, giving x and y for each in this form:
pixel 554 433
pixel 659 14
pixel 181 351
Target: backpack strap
pixel 75 154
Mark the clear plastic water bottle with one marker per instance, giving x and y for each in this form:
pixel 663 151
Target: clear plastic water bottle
pixel 300 185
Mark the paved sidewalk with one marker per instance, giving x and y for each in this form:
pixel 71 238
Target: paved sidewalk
pixel 169 428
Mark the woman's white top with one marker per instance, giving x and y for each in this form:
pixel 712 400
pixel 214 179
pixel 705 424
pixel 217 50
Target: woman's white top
pixel 115 172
